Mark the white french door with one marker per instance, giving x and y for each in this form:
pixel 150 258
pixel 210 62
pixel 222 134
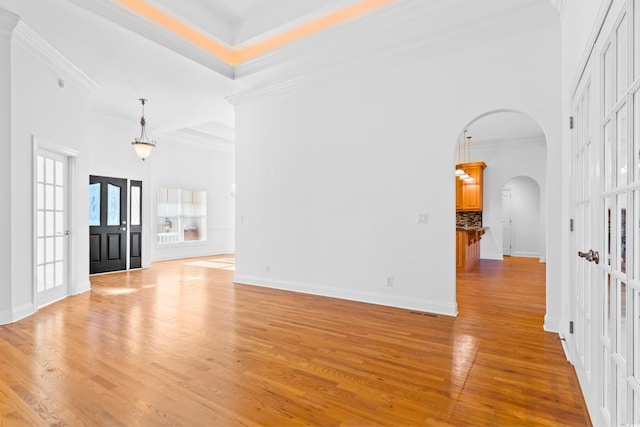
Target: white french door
pixel 583 332
pixel 605 345
pixel 51 225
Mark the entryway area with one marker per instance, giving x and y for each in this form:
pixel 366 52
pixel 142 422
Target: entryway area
pixel 115 224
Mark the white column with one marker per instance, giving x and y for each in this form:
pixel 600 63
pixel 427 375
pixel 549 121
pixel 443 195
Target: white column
pixel 8 22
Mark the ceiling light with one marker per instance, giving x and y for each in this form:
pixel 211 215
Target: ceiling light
pixel 143 145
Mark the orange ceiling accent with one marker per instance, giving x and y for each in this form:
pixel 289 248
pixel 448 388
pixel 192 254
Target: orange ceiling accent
pixel 234 56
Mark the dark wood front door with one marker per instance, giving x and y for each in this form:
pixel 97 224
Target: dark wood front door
pixel 107 224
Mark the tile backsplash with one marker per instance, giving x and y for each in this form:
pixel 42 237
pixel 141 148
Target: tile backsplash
pixel 469 219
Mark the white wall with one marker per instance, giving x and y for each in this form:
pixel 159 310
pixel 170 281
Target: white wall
pixel 7 24
pixel 210 168
pixel 57 117
pixel 331 178
pixel 504 162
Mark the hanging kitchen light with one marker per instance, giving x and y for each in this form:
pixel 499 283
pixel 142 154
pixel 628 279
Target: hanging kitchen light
pixel 143 145
pixel 469 179
pixel 464 175
pixel 459 170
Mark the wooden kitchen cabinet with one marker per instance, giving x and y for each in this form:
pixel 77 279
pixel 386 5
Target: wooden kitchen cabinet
pixel 468 248
pixel 469 195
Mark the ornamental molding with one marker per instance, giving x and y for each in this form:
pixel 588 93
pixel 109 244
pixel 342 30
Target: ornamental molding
pixel 8 22
pixel 26 37
pixel 428 47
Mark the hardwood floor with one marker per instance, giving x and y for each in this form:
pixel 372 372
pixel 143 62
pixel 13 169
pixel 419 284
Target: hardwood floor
pixel 181 345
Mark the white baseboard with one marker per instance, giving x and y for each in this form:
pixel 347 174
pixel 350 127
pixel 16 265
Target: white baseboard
pixel 85 287
pixel 398 301
pixel 564 346
pixel 18 313
pixel 551 324
pixel 526 254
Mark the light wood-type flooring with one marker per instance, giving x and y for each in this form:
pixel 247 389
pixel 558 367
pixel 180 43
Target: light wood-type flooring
pixel 181 345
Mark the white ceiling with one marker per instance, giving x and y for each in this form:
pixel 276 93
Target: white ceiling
pixel 187 87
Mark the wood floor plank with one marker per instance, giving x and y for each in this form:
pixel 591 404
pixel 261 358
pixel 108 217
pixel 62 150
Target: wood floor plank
pixel 182 345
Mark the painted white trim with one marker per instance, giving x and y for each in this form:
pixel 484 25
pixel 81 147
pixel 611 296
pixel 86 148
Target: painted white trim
pixel 526 254
pixel 403 51
pixel 200 139
pixel 591 44
pixel 565 348
pixel 51 57
pixel 423 305
pixel 18 313
pixel 551 324
pixel 490 145
pixel 82 288
pixel 147 29
pixel 72 190
pixel 8 22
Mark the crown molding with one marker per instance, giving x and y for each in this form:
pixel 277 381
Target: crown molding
pixel 200 139
pixel 423 48
pixel 491 145
pixel 43 50
pixel 110 11
pixel 377 21
pixel 8 22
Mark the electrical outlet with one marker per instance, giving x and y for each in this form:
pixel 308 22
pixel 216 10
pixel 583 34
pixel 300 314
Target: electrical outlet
pixel 390 281
pixel 422 218
pixel 267 268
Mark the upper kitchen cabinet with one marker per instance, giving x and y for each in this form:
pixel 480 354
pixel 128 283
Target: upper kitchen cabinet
pixel 469 194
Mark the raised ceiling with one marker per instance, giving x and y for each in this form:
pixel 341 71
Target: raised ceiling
pixel 222 34
pixel 141 48
pixel 235 22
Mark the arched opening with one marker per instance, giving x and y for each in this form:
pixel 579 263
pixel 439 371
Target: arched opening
pixel 513 147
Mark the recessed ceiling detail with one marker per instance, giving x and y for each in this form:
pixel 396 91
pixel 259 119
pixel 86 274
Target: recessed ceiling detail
pixel 237 55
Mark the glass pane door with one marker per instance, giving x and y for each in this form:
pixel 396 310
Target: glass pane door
pixel 51 227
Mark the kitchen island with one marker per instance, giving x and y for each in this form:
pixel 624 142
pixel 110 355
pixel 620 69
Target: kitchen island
pixel 468 247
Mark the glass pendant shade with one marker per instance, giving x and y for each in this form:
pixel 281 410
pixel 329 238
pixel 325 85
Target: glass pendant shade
pixel 464 177
pixel 470 180
pixel 459 171
pixel 143 149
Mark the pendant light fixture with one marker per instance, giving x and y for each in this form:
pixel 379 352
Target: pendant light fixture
pixel 469 179
pixel 465 175
pixel 143 145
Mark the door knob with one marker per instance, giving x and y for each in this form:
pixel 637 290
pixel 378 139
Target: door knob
pixel 591 256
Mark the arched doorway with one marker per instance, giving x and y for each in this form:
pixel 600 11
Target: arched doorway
pixel 513 146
